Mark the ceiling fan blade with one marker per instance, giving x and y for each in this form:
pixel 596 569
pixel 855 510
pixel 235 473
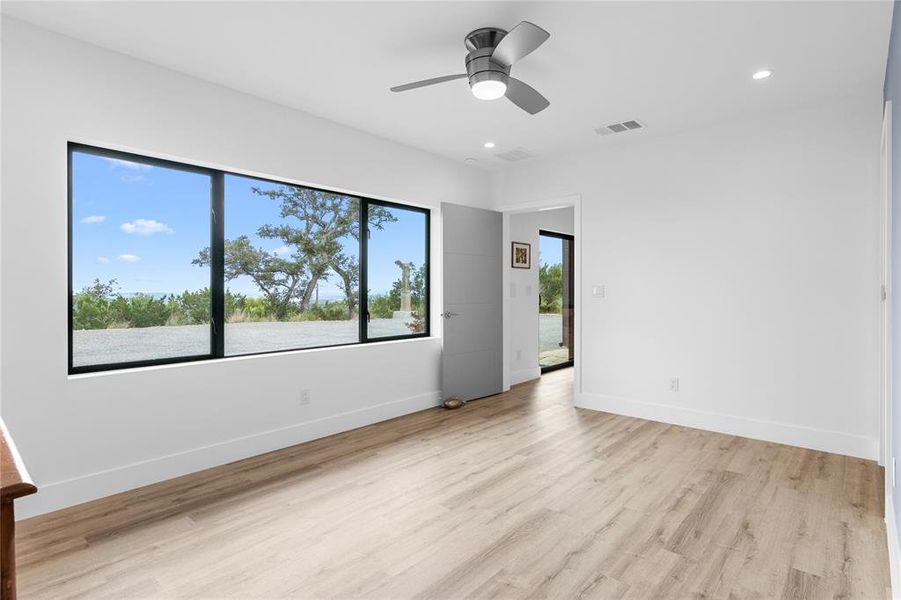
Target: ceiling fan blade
pixel 525 96
pixel 425 82
pixel 521 41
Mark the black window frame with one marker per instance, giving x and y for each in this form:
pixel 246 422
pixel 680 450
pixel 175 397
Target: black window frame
pixel 569 291
pixel 217 258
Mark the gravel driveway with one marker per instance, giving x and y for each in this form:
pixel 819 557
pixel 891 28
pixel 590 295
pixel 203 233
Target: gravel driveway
pixel 550 331
pixel 100 346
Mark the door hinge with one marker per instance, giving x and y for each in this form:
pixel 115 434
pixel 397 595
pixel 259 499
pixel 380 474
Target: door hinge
pixel 884 293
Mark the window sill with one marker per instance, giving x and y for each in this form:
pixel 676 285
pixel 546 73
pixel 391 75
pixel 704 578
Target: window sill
pixel 248 357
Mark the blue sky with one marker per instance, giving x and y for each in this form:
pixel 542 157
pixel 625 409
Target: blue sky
pixel 143 225
pixel 550 250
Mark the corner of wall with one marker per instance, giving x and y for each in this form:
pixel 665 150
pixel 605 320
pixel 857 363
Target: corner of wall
pixel 524 375
pixel 894 547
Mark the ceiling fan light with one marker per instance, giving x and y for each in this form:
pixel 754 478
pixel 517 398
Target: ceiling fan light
pixel 489 89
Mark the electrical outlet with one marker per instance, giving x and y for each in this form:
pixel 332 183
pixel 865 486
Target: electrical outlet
pixel 599 291
pixel 304 397
pixel 674 384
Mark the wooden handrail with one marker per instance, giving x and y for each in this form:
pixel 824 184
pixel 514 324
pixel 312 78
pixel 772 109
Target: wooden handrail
pixel 14 483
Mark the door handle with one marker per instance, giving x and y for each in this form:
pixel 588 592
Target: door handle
pixel 448 315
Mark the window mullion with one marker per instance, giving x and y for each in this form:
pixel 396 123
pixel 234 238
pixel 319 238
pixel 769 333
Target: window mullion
pixel 363 275
pixel 217 265
pixel 427 300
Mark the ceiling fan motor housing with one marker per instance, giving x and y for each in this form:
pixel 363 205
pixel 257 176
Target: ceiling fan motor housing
pixel 479 65
pixel 485 37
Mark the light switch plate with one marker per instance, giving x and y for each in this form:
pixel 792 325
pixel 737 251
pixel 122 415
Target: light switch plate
pixel 599 291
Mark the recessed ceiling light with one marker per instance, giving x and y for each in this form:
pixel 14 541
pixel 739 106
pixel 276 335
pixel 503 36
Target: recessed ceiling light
pixel 489 144
pixel 762 74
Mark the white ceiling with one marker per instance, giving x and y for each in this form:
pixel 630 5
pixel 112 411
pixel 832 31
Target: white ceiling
pixel 673 65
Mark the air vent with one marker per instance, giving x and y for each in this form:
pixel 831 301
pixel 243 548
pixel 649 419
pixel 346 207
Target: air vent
pixel 514 155
pixel 619 127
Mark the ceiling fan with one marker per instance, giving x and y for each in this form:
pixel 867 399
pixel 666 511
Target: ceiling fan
pixel 492 51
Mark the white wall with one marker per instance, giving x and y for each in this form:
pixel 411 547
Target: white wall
pixel 87 436
pixel 522 292
pixel 742 259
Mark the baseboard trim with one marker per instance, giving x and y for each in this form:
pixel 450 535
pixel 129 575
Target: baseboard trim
pixel 894 546
pixel 62 494
pixel 523 375
pixel 769 431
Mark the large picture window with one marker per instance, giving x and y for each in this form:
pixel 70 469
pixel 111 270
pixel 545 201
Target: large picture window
pixel 172 262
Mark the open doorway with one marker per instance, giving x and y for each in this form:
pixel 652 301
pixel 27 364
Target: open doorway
pixel 555 300
pixel 522 319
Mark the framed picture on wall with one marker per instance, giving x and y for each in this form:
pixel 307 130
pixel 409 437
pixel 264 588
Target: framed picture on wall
pixel 521 255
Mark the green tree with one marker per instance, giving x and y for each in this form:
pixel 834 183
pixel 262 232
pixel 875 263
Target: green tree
pixel 316 225
pixel 100 306
pixel 142 310
pixel 91 306
pixel 382 306
pixel 282 281
pixel 254 309
pixel 193 308
pixel 550 288
pixel 332 310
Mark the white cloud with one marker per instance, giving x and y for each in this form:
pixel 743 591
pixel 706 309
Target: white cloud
pixel 145 227
pixel 129 258
pixel 129 178
pixel 93 219
pixel 102 260
pixel 282 250
pixel 127 164
pixel 129 172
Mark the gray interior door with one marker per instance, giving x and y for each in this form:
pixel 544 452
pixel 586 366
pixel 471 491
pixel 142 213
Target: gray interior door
pixel 473 302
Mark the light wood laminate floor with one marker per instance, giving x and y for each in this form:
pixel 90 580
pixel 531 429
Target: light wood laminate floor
pixel 514 496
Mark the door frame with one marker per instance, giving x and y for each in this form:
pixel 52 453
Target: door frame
pixel 563 237
pixel 886 454
pixel 574 201
pixel 886 446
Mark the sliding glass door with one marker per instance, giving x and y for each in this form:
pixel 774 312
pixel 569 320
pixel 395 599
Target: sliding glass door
pixel 555 301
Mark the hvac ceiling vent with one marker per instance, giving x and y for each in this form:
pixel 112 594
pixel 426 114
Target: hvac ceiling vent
pixel 619 127
pixel 514 155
